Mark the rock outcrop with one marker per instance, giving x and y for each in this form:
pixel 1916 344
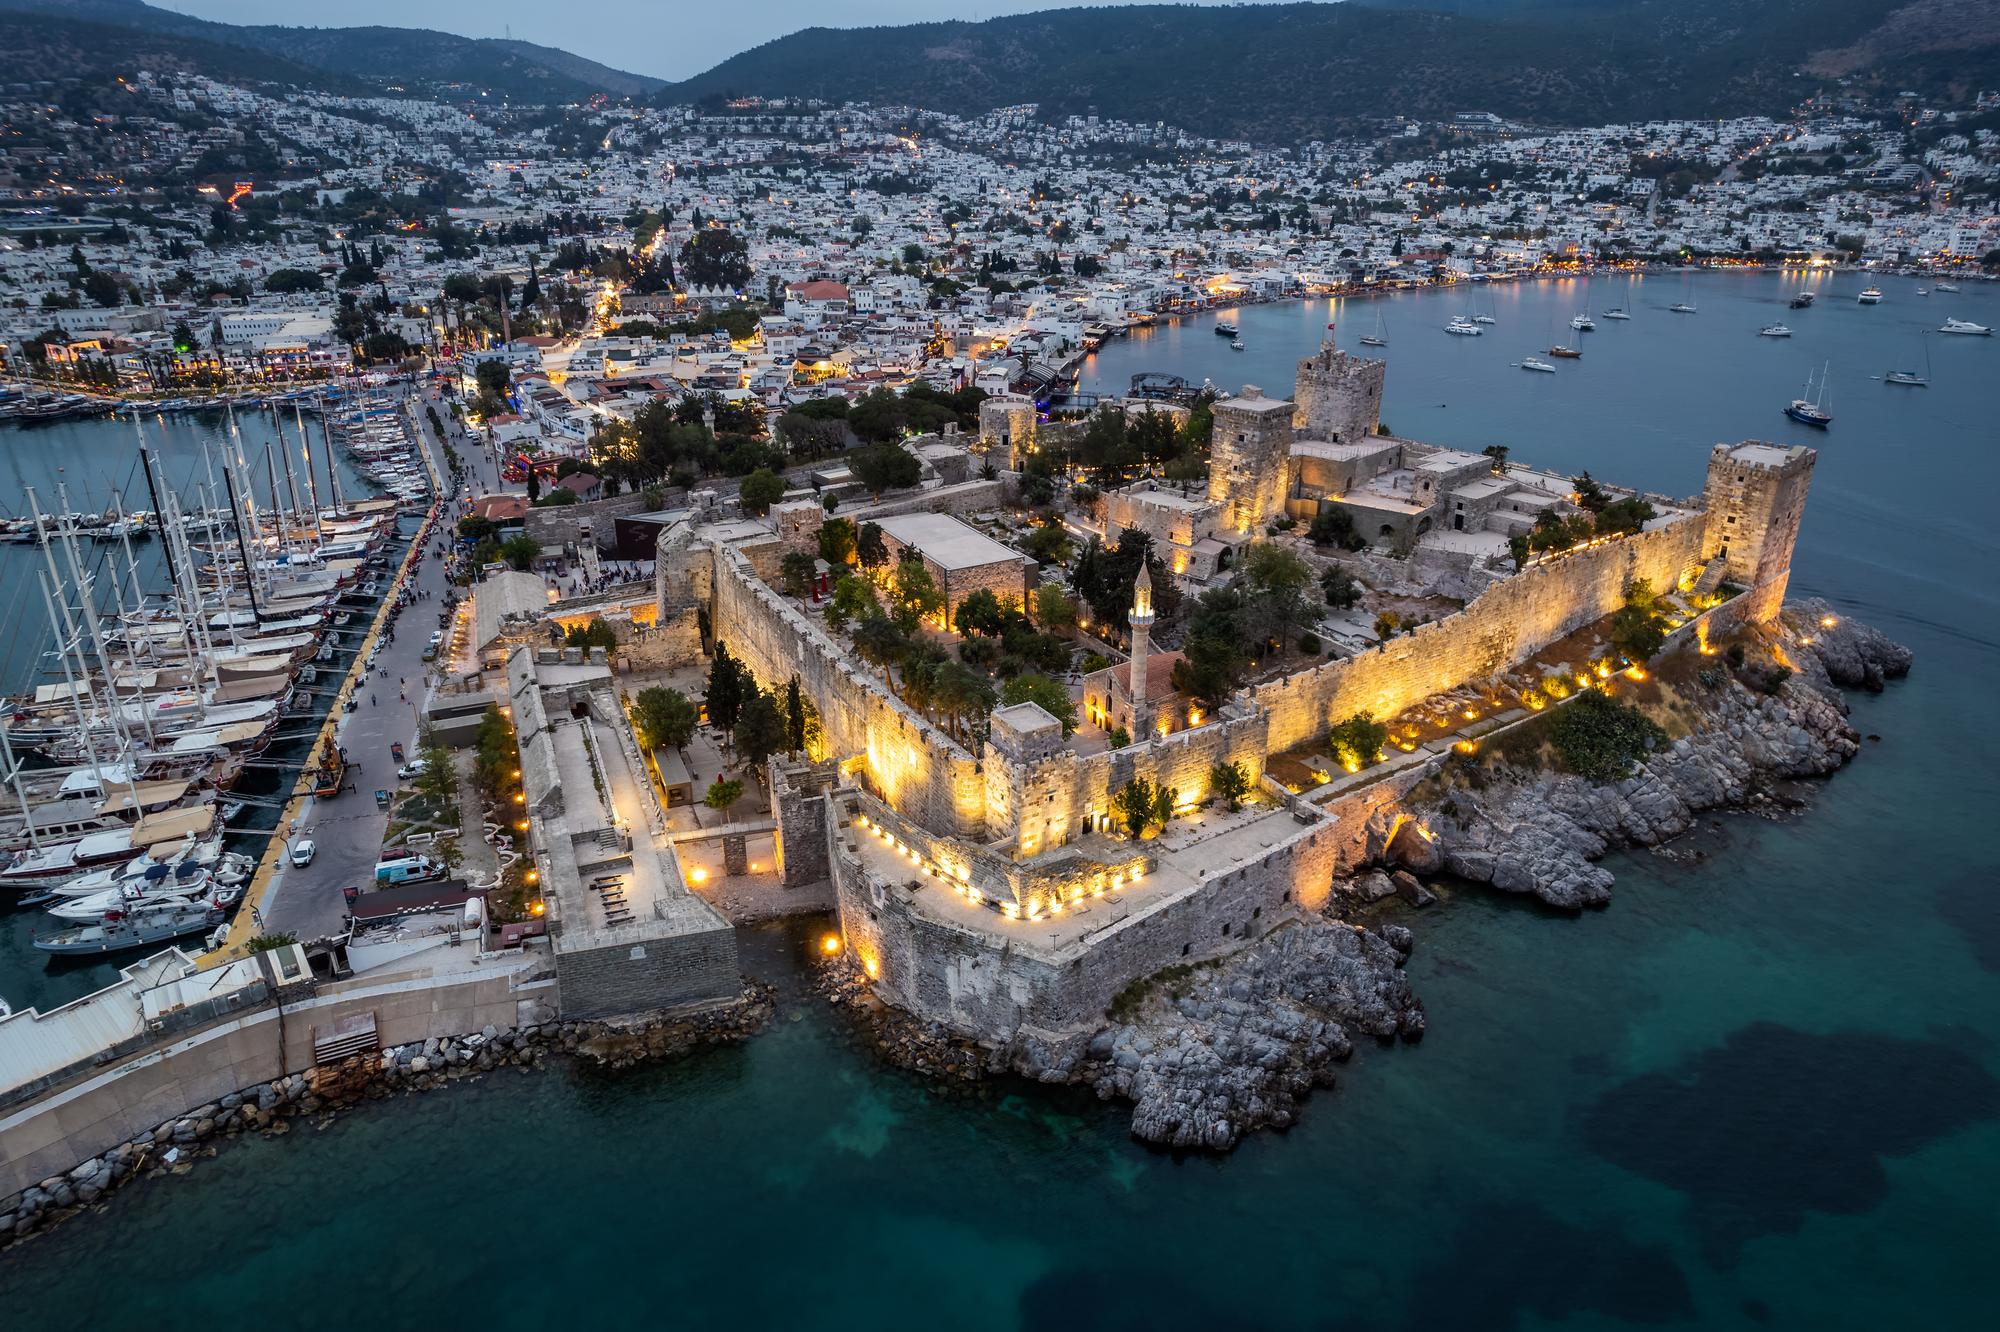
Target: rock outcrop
pixel 1212 1053
pixel 1540 833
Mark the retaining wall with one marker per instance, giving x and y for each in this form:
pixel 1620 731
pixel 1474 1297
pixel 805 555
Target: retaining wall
pixel 94 1114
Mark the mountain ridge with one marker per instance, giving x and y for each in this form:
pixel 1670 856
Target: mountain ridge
pixel 379 56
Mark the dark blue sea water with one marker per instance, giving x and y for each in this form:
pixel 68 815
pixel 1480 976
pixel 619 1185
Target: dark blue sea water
pixel 1760 1093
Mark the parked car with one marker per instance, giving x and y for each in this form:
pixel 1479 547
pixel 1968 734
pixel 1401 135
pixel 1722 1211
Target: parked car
pixel 412 770
pixel 303 852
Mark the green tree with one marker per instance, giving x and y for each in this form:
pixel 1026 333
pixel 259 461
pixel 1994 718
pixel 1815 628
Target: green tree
pixel 663 717
pixel 1229 783
pixel 1050 695
pixel 915 595
pixel 1357 741
pixel 761 731
pixel 869 547
pixel 1142 804
pixel 880 643
pixel 979 613
pixel 520 552
pixel 883 467
pixel 1338 587
pixel 722 794
pixel 795 716
pixel 836 541
pixel 853 599
pixel 587 636
pixel 797 571
pixel 1054 609
pixel 760 490
pixel 728 681
pixel 1334 526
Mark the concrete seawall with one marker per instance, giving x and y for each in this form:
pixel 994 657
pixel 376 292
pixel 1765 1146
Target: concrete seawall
pixel 96 1111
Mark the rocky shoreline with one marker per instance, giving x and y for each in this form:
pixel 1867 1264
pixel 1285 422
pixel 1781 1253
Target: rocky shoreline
pixel 1208 1052
pixel 173 1147
pixel 1541 833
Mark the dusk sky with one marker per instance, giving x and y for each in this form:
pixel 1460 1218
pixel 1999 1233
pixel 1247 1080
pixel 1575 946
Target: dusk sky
pixel 670 39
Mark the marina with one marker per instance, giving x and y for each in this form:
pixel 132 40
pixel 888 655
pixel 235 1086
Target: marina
pixel 172 683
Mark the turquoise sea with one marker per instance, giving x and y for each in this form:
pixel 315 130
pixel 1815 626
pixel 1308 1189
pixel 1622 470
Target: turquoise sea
pixel 1758 1092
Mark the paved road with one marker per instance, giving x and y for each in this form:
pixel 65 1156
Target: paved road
pixel 348 829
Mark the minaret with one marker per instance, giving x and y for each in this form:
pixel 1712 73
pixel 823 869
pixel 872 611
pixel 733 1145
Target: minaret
pixel 1142 645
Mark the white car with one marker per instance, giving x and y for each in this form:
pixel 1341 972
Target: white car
pixel 412 770
pixel 303 852
pixel 437 637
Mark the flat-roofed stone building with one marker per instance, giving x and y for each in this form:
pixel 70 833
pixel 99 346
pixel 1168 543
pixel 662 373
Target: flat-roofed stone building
pixel 960 557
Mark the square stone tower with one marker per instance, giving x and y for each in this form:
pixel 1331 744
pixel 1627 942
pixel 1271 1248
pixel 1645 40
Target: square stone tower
pixel 1250 458
pixel 1756 494
pixel 1338 396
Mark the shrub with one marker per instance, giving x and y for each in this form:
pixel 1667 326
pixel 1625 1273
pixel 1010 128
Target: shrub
pixel 1356 741
pixel 1229 783
pixel 1598 738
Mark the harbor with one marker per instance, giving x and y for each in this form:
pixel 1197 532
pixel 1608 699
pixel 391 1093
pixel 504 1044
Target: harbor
pixel 194 640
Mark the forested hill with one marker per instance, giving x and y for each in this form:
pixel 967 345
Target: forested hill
pixel 416 58
pixel 1286 73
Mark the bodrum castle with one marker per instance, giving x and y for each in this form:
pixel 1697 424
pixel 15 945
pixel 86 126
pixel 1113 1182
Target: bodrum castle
pixel 1028 719
pixel 1033 797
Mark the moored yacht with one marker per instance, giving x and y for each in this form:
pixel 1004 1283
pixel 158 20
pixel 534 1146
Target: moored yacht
pixel 1616 313
pixel 1774 331
pixel 1583 323
pixel 1463 327
pixel 1543 367
pixel 1869 296
pixel 1966 327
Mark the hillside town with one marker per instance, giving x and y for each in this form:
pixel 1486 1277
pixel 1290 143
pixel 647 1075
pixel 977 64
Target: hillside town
pixel 172 239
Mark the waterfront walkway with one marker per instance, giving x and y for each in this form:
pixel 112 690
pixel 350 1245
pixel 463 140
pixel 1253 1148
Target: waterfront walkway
pixel 307 902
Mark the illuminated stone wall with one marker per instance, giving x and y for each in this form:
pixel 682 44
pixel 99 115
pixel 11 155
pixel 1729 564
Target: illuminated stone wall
pixel 916 767
pixel 1508 623
pixel 992 982
pixel 1047 803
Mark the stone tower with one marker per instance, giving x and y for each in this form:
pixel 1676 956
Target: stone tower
pixel 1007 423
pixel 1755 495
pixel 1142 648
pixel 1338 396
pixel 1250 458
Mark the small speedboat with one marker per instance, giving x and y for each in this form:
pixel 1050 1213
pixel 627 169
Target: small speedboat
pixel 1565 353
pixel 1869 296
pixel 1542 367
pixel 1951 287
pixel 1923 291
pixel 1236 344
pixel 1774 331
pixel 1965 327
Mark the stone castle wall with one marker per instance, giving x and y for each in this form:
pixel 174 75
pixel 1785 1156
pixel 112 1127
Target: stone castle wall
pixel 912 764
pixel 1503 626
pixel 992 983
pixel 559 524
